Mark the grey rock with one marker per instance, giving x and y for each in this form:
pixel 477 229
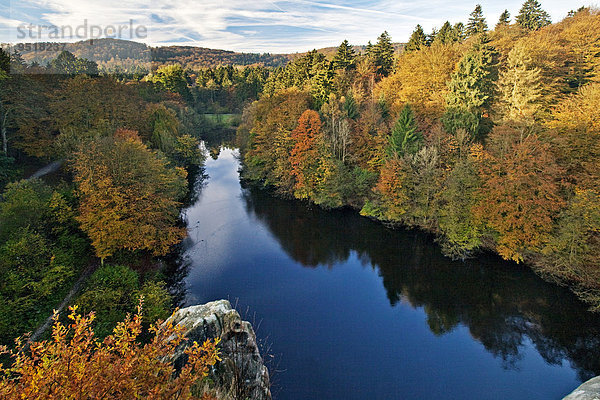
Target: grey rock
pixel 589 390
pixel 241 373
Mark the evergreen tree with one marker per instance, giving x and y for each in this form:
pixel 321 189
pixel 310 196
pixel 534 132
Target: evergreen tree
pixel 382 54
pixel 322 81
pixel 417 40
pixel 504 19
pixel 405 137
pixel 4 63
pixel 476 22
pixel 470 88
pixel 532 17
pixel 445 34
pixel 345 56
pixel 350 106
pixel 459 31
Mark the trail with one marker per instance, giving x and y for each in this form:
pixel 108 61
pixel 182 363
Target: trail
pixel 48 169
pixel 74 290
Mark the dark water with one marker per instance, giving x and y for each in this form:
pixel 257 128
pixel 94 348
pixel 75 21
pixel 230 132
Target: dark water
pixel 349 309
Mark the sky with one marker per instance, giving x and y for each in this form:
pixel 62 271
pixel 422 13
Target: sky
pixel 271 26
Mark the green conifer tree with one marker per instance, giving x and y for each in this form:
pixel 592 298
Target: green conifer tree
pixel 532 17
pixel 417 40
pixel 382 54
pixel 471 88
pixel 476 22
pixel 405 137
pixel 504 19
pixel 445 34
pixel 345 56
pixel 459 31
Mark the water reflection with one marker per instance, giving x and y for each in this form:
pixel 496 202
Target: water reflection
pixel 504 307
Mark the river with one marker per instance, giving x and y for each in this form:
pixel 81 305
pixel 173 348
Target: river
pixel 346 308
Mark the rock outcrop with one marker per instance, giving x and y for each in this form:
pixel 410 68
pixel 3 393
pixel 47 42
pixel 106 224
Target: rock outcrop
pixel 241 373
pixel 589 390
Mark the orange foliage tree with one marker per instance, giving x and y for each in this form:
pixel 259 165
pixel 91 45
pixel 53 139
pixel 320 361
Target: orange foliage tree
pixel 74 365
pixel 520 193
pixel 306 154
pixel 128 196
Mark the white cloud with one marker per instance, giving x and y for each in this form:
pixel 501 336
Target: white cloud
pixel 263 25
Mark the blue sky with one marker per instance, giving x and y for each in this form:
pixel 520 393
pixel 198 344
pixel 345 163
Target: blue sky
pixel 253 26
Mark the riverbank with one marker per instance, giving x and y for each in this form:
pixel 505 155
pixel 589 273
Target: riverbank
pixel 326 290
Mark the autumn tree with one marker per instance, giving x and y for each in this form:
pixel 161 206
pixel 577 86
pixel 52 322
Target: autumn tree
pixel 85 108
pixel 476 23
pixel 391 200
pixel 532 16
pixel 128 196
pixel 305 157
pixel 421 79
pixel 520 87
pixel 75 365
pixel 581 40
pixel 461 233
pixel 272 121
pixel 576 124
pixel 520 194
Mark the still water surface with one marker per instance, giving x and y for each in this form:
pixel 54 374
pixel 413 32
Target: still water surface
pixel 349 309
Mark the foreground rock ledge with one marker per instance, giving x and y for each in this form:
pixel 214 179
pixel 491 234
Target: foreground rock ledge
pixel 241 373
pixel 589 390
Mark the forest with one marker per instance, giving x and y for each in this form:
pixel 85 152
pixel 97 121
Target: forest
pixel 486 137
pixel 130 151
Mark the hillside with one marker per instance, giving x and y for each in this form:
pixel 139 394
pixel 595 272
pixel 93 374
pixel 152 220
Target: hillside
pixel 112 53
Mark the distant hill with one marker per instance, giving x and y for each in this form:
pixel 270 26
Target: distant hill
pixel 195 57
pixel 112 54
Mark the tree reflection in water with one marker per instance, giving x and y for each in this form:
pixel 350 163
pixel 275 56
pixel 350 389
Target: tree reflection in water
pixel 502 304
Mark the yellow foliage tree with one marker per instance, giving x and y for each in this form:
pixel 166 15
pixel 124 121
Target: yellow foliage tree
pixel 128 196
pixel 74 365
pixel 421 79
